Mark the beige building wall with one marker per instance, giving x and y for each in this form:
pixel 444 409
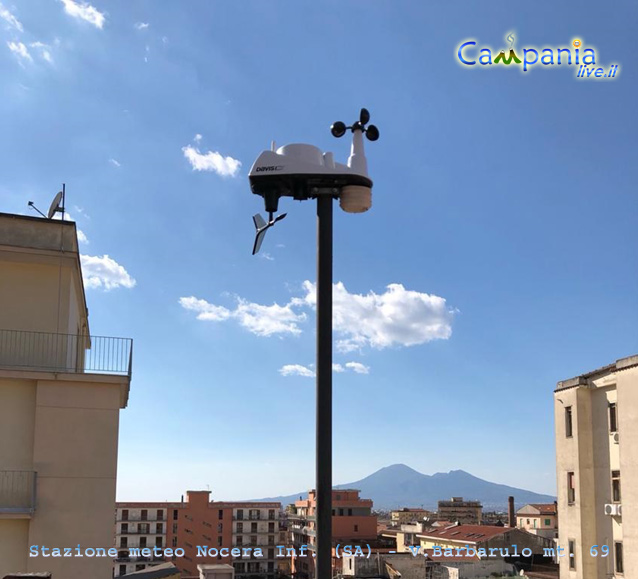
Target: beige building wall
pixel 58 424
pixel 592 453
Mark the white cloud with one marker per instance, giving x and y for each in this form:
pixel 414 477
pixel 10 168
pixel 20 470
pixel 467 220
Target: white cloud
pixel 258 319
pixel 309 372
pixel 197 138
pixel 10 19
pixel 104 272
pixel 21 51
pixel 397 317
pixel 142 25
pixel 358 367
pixel 115 162
pixel 44 49
pixel 84 11
pixel 297 370
pixel 82 238
pixel 267 256
pixel 211 161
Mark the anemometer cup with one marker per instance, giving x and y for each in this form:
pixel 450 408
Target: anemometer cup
pixel 355 199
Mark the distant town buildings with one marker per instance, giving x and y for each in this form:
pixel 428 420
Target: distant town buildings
pixel 596 418
pixel 61 391
pixel 194 524
pixel 352 523
pixel 406 515
pixel 458 510
pixel 539 519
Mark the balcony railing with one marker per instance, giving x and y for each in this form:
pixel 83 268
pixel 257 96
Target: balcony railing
pixel 47 352
pixel 17 492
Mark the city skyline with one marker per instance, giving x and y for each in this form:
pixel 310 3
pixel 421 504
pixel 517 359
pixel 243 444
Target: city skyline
pixel 493 263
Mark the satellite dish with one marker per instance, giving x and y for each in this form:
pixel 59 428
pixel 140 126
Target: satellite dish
pixel 55 206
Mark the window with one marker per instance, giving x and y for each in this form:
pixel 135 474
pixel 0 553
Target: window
pixel 240 527
pixel 122 569
pixel 240 514
pixel 349 512
pixel 175 515
pixel 144 528
pixel 615 486
pixel 271 567
pixel 572 554
pixel 159 528
pixel 219 541
pixel 618 557
pixel 124 528
pixel 220 527
pixel 158 542
pixel 253 540
pixel 221 514
pixel 125 515
pixel 356 528
pixel 613 422
pixel 571 489
pixel 174 528
pixel 123 541
pixel 174 541
pixel 240 540
pixel 271 514
pixel 253 527
pixel 143 542
pixel 548 522
pixel 568 421
pixel 160 515
pixel 144 514
pixel 271 527
pixel 271 553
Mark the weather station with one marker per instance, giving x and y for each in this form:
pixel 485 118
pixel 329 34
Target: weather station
pixel 303 172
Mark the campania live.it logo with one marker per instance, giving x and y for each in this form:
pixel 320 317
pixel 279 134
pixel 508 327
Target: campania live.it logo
pixel 469 54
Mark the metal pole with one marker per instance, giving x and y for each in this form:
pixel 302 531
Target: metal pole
pixel 324 388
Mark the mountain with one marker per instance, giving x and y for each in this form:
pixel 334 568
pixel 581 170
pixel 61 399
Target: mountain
pixel 399 485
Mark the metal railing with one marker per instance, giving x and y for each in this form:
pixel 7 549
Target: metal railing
pixel 17 492
pixel 72 353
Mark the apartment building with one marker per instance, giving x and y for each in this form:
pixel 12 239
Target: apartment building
pixel 596 429
pixel 539 519
pixel 204 532
pixel 406 516
pixel 352 523
pixel 459 511
pixel 61 391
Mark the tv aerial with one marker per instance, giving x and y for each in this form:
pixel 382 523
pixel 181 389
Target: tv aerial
pixel 57 205
pixel 304 172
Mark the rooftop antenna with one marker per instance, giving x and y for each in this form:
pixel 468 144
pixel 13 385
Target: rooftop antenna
pixel 57 205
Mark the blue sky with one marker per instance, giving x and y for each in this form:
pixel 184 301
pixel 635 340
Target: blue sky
pixel 504 210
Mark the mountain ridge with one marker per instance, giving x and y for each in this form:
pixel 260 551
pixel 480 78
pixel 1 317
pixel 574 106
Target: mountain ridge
pixel 398 485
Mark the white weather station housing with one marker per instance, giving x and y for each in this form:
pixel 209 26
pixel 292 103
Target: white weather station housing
pixel 303 172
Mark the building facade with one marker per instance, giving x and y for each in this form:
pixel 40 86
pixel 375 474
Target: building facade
pixel 406 516
pixel 596 429
pixel 459 511
pixel 198 531
pixel 61 391
pixel 352 523
pixel 539 519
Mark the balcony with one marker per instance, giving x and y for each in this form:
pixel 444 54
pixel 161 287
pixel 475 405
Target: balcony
pixel 68 353
pixel 17 493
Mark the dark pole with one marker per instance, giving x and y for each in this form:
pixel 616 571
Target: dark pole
pixel 324 388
